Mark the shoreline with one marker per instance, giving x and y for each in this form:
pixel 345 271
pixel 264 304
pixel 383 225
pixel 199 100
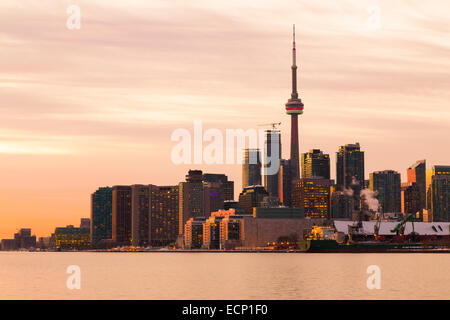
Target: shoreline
pixel 422 250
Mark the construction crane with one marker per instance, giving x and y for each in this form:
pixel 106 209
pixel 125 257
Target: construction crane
pixel 273 125
pixel 400 228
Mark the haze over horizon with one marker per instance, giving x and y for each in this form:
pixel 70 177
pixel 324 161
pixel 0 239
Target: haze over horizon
pixel 96 107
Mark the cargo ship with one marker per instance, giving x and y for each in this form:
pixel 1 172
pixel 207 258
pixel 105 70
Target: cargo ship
pixel 331 246
pixel 327 239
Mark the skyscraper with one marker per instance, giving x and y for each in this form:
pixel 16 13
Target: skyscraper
pixel 121 215
pixel 101 215
pixel 437 170
pixel 251 168
pixel 350 167
pixel 313 195
pixel 440 198
pixel 315 164
pixel 272 156
pixel 140 214
pixel 417 174
pixel 438 193
pixel 294 107
pixel 387 184
pixel 164 219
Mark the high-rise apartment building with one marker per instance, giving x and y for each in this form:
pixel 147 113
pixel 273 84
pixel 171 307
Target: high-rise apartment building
pixel 387 184
pixel 438 193
pixel 315 164
pixel 164 218
pixel 437 170
pixel 313 195
pixel 140 214
pixel 101 215
pixel 121 215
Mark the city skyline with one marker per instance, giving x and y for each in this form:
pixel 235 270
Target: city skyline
pixel 61 139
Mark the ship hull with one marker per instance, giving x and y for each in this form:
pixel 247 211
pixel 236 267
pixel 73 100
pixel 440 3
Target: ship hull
pixel 332 246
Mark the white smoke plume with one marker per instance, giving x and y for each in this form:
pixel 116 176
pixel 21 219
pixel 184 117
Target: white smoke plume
pixel 370 199
pixel 348 192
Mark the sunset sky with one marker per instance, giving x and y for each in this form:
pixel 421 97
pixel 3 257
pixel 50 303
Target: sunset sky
pixel 96 106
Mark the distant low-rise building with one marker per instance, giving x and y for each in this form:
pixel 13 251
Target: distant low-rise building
pixel 193 233
pixel 71 238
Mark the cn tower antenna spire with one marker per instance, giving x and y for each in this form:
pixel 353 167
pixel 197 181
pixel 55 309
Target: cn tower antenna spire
pixel 293 36
pixel 294 94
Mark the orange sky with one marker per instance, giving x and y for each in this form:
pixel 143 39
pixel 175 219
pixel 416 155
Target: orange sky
pixel 96 106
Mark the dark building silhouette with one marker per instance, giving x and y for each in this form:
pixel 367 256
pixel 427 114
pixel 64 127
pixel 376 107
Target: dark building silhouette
pixel 350 168
pixel 285 183
pixel 271 163
pixel 121 215
pixel 341 205
pixel 417 174
pixel 410 198
pixel 101 215
pixel 140 214
pixel 217 189
pixel 387 184
pixel 252 197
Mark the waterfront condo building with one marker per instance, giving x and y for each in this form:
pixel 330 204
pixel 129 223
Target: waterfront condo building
pixel 164 219
pixel 193 233
pixel 101 215
pixel 140 214
pixel 121 215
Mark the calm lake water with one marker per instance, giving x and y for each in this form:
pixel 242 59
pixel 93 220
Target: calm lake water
pixel 28 275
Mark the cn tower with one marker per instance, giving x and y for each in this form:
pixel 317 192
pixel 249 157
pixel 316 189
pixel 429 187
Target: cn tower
pixel 294 107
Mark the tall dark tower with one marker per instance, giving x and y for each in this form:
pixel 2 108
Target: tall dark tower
pixel 294 107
